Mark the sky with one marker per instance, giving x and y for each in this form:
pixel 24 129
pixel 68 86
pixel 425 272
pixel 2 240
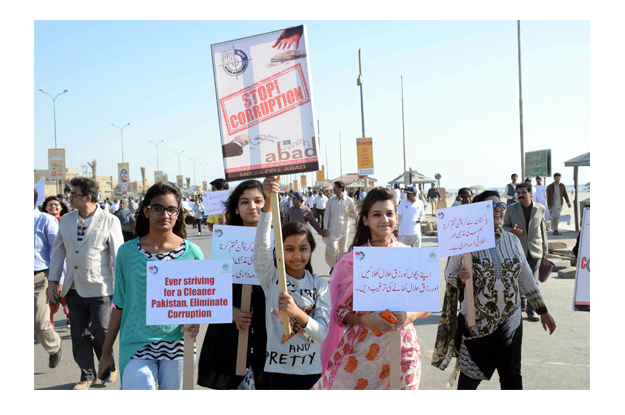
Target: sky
pixel 460 94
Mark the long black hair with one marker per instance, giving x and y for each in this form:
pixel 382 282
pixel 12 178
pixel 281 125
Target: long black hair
pixel 142 226
pixel 298 228
pixel 378 194
pixel 231 205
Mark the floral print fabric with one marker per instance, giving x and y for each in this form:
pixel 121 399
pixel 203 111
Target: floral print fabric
pixel 362 359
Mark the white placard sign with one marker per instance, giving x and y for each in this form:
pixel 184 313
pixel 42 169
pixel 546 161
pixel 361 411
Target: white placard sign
pixel 265 105
pixel 582 275
pixel 215 202
pixel 189 292
pixel 237 243
pixel 191 190
pixel 398 279
pixel 465 228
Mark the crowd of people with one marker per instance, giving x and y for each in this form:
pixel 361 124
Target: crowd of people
pixel 91 258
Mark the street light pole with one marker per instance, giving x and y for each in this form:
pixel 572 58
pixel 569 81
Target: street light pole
pixel 121 130
pixel 518 25
pixel 179 161
pixel 194 181
pixel 157 169
pixel 54 109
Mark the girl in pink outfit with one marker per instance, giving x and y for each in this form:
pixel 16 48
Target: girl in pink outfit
pixel 357 358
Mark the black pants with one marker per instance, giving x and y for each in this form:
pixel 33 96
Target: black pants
pixel 508 362
pixel 534 264
pixel 199 225
pixel 319 216
pixel 90 322
pixel 281 381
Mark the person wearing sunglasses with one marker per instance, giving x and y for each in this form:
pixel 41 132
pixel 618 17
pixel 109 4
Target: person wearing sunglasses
pixel 148 355
pixel 500 274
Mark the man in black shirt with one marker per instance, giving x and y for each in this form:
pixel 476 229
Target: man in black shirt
pixel 434 196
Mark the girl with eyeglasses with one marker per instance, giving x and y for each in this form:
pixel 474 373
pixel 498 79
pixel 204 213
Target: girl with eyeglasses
pixel 494 343
pixel 148 355
pixel 217 365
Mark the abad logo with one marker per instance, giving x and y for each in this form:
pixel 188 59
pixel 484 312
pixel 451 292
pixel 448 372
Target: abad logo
pixel 234 62
pixel 360 255
pixel 153 269
pixel 219 233
pixel 226 267
pixel 432 255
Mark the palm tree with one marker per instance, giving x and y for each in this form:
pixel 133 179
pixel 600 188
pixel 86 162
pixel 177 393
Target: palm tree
pixel 94 168
pixel 143 179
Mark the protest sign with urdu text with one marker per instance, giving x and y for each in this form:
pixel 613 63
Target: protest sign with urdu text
pixel 465 228
pixel 397 279
pixel 265 105
pixel 189 292
pixel 215 202
pixel 237 243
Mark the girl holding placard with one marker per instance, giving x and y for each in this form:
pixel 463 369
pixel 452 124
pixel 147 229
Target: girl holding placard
pixel 293 361
pixel 148 355
pixel 218 358
pixel 358 358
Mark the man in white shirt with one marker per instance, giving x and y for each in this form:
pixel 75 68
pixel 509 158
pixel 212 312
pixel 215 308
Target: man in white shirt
pixel 336 223
pixel 397 194
pixel 410 211
pixel 540 195
pixel 320 207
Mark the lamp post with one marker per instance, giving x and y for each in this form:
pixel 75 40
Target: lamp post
pixel 156 144
pixel 121 130
pixel 179 161
pixel 194 182
pixel 54 110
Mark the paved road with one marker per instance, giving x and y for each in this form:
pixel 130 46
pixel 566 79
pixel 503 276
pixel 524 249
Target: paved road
pixel 560 361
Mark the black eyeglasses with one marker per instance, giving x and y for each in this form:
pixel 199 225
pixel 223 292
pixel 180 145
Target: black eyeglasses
pixel 158 210
pixel 500 205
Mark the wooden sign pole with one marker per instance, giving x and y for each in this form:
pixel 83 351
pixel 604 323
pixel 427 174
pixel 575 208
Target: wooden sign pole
pixel 277 234
pixel 395 369
pixel 246 301
pixel 187 365
pixel 468 291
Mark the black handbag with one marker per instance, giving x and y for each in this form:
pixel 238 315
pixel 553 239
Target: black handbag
pixel 546 268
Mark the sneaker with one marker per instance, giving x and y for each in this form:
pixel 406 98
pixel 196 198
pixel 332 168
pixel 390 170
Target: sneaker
pixel 556 232
pixel 55 358
pixel 83 385
pixel 199 234
pixel 532 316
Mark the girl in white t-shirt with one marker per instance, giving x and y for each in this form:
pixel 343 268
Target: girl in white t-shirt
pixel 292 362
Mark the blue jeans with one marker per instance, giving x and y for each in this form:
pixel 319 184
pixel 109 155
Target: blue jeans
pixel 144 374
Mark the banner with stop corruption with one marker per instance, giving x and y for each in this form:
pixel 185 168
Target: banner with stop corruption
pixel 265 105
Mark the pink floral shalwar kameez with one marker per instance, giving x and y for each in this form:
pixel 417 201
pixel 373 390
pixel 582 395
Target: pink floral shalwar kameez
pixel 362 359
